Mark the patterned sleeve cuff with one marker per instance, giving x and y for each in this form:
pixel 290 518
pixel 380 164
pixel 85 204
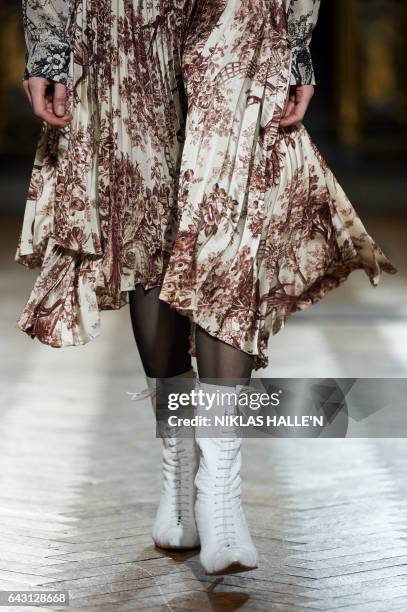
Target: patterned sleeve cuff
pixel 302 70
pixel 50 60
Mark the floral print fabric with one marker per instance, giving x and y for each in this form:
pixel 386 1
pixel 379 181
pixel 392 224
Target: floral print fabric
pixel 174 173
pixel 46 23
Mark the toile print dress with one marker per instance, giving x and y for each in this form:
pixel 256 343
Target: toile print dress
pixel 174 171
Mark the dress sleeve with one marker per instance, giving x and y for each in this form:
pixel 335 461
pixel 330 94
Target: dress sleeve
pixel 45 24
pixel 302 18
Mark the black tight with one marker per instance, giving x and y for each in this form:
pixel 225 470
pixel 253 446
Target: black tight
pixel 220 363
pixel 161 334
pixel 162 337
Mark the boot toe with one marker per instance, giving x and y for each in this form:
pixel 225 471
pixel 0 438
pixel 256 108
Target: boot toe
pixel 245 556
pixel 231 560
pixel 176 537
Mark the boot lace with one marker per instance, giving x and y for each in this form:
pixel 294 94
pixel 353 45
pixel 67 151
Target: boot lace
pixel 178 474
pixel 227 490
pixel 140 395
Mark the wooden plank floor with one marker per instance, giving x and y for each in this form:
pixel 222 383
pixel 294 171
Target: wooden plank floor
pixel 79 472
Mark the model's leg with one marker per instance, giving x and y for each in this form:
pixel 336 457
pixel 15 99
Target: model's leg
pixel 218 361
pixel 161 334
pixel 162 337
pixel 226 544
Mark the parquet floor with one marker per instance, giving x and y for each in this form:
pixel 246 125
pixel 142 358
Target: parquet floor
pixel 79 471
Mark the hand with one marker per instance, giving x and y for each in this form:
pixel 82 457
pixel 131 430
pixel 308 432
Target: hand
pixel 51 108
pixel 298 100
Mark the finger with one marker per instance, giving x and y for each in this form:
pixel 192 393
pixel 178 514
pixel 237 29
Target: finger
pixel 49 117
pixel 297 115
pixel 38 89
pixel 59 99
pixel 293 119
pixel 42 107
pixel 288 109
pixel 290 119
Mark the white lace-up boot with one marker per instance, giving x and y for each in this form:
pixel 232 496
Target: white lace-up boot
pixel 174 526
pixel 226 544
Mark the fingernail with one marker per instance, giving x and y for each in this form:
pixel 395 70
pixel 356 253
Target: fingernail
pixel 60 109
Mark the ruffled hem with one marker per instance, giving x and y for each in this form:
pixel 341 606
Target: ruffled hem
pixel 312 240
pixel 65 303
pixel 62 309
pixel 333 278
pixel 70 292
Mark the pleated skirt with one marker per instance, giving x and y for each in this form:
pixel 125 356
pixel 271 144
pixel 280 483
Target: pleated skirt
pixel 174 173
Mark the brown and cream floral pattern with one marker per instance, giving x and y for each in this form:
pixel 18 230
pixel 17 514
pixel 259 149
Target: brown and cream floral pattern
pixel 174 173
pixel 48 45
